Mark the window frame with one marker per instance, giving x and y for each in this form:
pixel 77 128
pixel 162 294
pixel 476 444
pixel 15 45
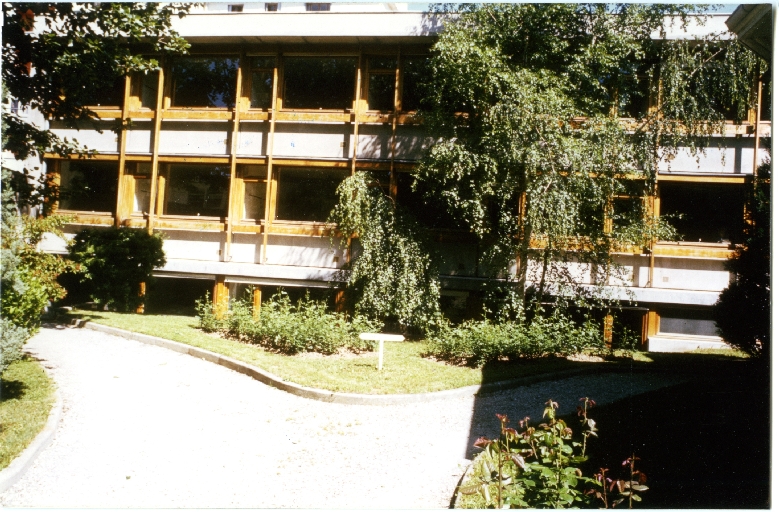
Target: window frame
pixel 170 87
pixel 249 80
pixel 370 72
pixel 164 195
pixel 99 213
pixel 283 75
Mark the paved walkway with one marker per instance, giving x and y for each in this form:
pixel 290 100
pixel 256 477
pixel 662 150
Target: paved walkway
pixel 144 426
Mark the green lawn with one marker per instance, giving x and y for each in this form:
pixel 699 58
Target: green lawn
pixel 405 370
pixel 26 397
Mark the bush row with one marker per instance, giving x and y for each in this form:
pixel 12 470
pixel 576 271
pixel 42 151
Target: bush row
pixel 289 328
pixel 478 342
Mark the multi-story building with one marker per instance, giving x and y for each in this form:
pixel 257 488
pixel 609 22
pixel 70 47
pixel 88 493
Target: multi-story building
pixel 235 152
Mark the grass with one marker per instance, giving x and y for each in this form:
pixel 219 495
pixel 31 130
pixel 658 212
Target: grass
pixel 26 397
pixel 405 368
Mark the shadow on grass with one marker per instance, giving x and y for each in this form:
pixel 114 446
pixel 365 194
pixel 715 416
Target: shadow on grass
pixel 12 389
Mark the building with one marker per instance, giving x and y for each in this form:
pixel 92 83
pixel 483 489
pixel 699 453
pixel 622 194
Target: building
pixel 235 151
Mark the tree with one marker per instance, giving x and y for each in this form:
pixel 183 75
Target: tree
pixel 743 310
pixel 57 57
pixel 525 102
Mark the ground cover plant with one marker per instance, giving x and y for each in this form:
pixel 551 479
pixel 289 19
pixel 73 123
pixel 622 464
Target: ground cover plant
pixel 478 342
pixel 26 398
pixel 306 326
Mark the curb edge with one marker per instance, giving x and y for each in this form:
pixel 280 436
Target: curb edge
pixel 19 466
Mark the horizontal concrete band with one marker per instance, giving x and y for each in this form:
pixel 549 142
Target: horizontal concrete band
pixel 19 466
pixel 343 398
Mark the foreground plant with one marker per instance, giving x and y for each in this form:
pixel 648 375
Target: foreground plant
pixel 539 467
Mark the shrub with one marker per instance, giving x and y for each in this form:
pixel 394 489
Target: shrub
pixel 12 339
pixel 478 342
pixel 116 261
pixel 290 328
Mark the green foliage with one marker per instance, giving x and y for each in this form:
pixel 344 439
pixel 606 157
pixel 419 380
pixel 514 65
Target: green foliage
pixel 12 339
pixel 115 262
pixel 524 102
pixel 289 328
pixel 28 276
pixel 743 310
pixel 393 278
pixel 478 342
pixel 539 467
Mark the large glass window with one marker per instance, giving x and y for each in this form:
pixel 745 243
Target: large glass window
pixel 427 208
pixel 88 186
pixel 141 174
pixel 204 82
pixel 319 82
pixel 414 73
pixel 704 212
pixel 254 190
pixel 381 83
pixel 111 96
pixel 197 190
pixel 262 81
pixel 307 194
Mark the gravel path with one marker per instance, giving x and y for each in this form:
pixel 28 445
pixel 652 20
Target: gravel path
pixel 143 426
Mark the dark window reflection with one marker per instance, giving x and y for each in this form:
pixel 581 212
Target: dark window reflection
pixel 428 209
pixel 197 190
pixel 708 212
pixel 307 194
pixel 89 186
pixel 204 81
pixel 414 73
pixel 111 96
pixel 381 92
pixel 319 82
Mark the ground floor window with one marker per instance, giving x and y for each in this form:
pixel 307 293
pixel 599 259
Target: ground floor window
pixel 697 322
pixel 88 186
pixel 307 194
pixel 197 190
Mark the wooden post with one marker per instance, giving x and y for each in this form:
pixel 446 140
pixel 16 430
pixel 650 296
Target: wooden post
pixel 256 301
pixel 154 195
pixel 608 329
pixel 340 301
pixel 269 210
pixel 122 207
pixel 141 293
pixel 232 198
pixel 221 297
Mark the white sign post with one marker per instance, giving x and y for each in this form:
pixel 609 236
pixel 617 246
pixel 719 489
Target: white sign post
pixel 381 338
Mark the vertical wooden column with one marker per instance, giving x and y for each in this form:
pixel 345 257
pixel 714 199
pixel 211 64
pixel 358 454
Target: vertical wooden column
pixel 653 208
pixel 395 113
pixel 142 294
pixel 221 297
pixel 121 205
pixel 758 107
pixel 154 202
pixel 256 301
pixel 608 329
pixel 357 110
pixel 274 108
pixel 231 198
pixel 650 325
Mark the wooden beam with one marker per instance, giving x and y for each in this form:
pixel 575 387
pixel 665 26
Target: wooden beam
pixel 121 204
pixel 269 204
pixel 154 204
pixel 711 178
pixel 231 191
pixel 256 301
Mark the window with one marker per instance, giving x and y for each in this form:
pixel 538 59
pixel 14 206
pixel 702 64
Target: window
pixel 381 83
pixel 319 82
pixel 144 88
pixel 111 96
pixel 307 194
pixel 414 72
pixel 88 186
pixel 429 209
pixel 262 81
pixel 317 7
pixel 254 188
pixel 235 8
pixel 272 7
pixel 689 321
pixel 634 103
pixel 204 82
pixel 141 174
pixel 197 190
pixel 704 212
